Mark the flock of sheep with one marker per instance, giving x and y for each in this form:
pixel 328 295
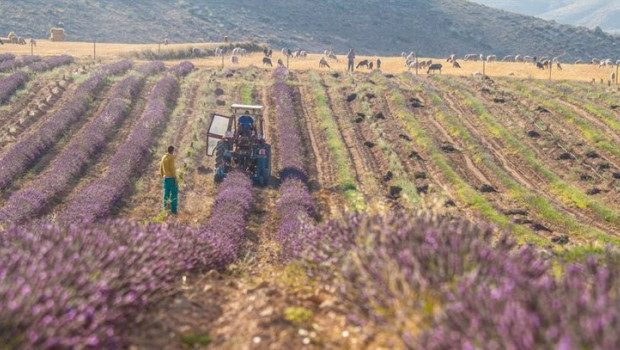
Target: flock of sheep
pixel 413 62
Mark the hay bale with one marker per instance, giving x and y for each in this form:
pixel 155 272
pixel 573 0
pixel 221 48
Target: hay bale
pixel 58 34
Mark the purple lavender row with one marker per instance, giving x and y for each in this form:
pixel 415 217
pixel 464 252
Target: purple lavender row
pixel 26 152
pixel 151 68
pixel 296 204
pixel 10 84
pixel 225 230
pixel 182 69
pixel 80 286
pixel 468 288
pixel 51 63
pixel 97 200
pixel 29 201
pixel 117 68
pixel 18 63
pixel 6 57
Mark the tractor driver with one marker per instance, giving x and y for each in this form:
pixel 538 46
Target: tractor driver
pixel 246 124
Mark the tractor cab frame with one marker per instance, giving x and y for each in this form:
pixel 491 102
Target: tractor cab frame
pixel 238 143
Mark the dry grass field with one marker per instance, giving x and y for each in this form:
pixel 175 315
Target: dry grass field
pixel 392 65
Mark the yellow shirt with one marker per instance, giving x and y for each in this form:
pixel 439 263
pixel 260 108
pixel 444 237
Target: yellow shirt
pixel 166 167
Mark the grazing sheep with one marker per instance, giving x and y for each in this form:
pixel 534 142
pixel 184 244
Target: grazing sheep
pixel 491 58
pixel 412 65
pixel 539 65
pixel 370 65
pixel 333 57
pixel 452 58
pixel 283 51
pixel 518 58
pixel 234 59
pixel 21 41
pixel 596 61
pixel 323 63
pixel 471 57
pixel 410 56
pixel 579 62
pixel 434 67
pixel 267 52
pixel 362 63
pixel 508 58
pixel 267 62
pixel 455 64
pixel 618 63
pixel 218 51
pixel 280 63
pixel 529 59
pixel 326 53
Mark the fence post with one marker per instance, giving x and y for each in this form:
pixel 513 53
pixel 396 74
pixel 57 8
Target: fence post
pixel 94 49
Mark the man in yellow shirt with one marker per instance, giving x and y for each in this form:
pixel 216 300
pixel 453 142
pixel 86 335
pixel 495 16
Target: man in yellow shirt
pixel 168 172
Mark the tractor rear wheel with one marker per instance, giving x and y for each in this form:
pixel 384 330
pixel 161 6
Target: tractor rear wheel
pixel 222 161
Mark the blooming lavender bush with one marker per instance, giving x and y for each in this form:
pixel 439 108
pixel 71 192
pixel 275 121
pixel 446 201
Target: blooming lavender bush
pixel 10 84
pixel 77 286
pixel 182 69
pixel 26 152
pixel 51 63
pixel 296 204
pixel 6 57
pixel 442 283
pixel 75 156
pixel 9 65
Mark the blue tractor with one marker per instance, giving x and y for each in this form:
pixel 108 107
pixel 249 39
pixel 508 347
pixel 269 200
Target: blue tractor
pixel 238 143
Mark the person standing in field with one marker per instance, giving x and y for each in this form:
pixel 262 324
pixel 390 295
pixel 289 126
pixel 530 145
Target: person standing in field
pixel 351 58
pixel 169 174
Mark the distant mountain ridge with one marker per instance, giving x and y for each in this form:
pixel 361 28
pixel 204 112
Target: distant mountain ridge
pixel 590 13
pixel 374 27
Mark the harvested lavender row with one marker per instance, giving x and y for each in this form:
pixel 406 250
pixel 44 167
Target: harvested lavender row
pixel 26 152
pixel 442 283
pixel 51 63
pixel 6 57
pixel 97 200
pixel 182 69
pixel 10 84
pixel 18 63
pixel 29 201
pixel 296 204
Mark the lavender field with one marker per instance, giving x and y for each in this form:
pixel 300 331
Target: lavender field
pixel 403 212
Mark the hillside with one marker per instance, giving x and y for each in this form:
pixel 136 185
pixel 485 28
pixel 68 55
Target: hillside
pixel 430 27
pixel 588 13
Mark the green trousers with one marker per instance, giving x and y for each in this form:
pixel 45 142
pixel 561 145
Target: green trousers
pixel 171 192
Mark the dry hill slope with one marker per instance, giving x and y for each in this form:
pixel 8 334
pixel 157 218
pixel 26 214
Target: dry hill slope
pixel 431 27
